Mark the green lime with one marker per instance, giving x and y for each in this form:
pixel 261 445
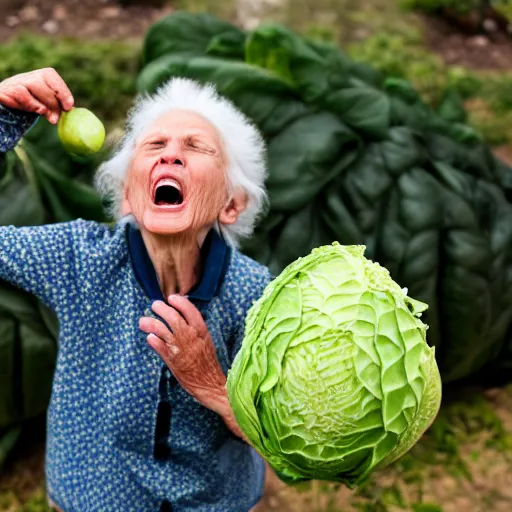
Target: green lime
pixel 81 132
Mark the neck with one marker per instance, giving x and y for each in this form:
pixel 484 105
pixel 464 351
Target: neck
pixel 176 259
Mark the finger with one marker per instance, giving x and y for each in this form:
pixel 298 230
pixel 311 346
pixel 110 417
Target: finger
pixel 169 314
pixel 164 350
pixel 7 100
pixel 46 96
pixel 27 102
pixel 154 326
pixel 59 87
pixel 189 312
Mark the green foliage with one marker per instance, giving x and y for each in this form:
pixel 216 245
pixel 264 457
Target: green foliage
pixel 485 95
pixel 426 507
pixel 497 91
pixel 402 55
pixel 460 6
pixel 358 157
pixel 459 424
pixel 37 502
pixel 101 75
pixel 505 8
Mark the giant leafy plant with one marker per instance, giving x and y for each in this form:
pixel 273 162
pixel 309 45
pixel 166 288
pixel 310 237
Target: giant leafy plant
pixel 357 157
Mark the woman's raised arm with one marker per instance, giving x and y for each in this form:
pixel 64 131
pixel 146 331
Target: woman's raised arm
pixel 38 259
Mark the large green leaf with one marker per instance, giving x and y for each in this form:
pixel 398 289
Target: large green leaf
pixel 365 109
pixel 8 440
pixel 360 158
pixel 298 176
pixel 21 202
pixel 9 396
pixel 38 355
pixel 184 34
pixel 267 99
pixel 451 108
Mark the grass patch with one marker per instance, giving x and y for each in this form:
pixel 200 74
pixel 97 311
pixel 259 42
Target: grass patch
pixel 225 9
pixel 389 38
pixel 466 434
pixel 101 75
pixel 487 94
pixel 469 436
pixel 9 502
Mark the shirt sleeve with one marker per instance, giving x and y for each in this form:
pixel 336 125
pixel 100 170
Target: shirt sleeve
pixel 37 259
pixel 40 260
pixel 13 125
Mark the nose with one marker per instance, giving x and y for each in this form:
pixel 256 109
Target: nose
pixel 171 155
pixel 171 160
pixel 174 161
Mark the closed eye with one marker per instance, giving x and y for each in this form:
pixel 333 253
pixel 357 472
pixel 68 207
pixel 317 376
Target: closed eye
pixel 201 146
pixel 155 144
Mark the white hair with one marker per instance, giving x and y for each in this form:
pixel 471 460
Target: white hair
pixel 244 146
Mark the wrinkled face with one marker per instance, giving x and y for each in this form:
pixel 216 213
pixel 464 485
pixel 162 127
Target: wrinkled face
pixel 177 180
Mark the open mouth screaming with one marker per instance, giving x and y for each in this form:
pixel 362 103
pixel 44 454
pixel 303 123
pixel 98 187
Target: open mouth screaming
pixel 168 192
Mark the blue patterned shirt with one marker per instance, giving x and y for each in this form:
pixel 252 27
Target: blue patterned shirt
pixel 122 435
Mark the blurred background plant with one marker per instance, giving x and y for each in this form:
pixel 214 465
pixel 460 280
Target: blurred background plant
pixel 101 74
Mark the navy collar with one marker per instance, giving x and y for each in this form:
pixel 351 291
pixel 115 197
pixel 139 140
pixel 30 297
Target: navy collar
pixel 215 254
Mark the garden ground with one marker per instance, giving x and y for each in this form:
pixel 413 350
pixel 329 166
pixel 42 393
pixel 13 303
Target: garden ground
pixel 463 463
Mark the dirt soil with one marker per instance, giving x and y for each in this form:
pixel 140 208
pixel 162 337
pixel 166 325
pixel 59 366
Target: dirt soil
pixel 493 51
pixel 109 19
pixel 485 485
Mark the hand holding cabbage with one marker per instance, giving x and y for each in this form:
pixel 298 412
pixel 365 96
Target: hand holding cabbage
pixel 334 377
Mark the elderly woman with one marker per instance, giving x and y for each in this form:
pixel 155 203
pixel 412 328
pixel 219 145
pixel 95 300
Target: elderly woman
pixel 151 310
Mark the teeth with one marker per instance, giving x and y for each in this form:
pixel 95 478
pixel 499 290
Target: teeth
pixel 168 182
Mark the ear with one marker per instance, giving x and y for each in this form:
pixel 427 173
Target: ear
pixel 126 209
pixel 236 205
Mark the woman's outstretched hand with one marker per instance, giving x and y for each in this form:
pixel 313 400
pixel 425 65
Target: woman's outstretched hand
pixel 42 91
pixel 189 353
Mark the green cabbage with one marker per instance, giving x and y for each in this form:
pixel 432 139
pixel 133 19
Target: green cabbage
pixel 334 377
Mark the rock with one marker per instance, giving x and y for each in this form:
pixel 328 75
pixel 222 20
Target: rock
pixel 110 12
pixel 59 12
pixel 273 502
pixel 12 21
pixel 91 27
pixel 50 27
pixel 361 33
pixel 478 41
pixel 327 17
pixel 490 25
pixel 29 13
pixel 451 55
